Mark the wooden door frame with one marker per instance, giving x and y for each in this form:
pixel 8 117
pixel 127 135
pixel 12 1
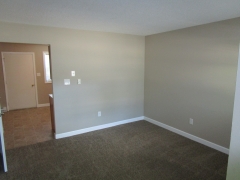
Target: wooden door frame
pixel 34 74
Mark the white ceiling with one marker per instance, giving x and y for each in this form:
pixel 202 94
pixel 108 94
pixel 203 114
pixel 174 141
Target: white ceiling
pixel 140 17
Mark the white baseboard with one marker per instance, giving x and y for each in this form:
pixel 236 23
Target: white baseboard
pixel 177 131
pixel 43 105
pixel 81 131
pixel 190 136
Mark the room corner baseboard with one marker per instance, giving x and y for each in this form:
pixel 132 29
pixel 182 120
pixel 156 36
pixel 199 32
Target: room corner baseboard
pixel 43 105
pixel 190 136
pixel 81 131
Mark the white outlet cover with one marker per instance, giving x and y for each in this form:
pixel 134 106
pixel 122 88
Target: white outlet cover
pixel 191 121
pixel 66 82
pixel 99 113
pixel 73 73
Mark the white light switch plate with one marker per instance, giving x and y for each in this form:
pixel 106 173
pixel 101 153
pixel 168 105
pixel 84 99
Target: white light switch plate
pixel 66 81
pixel 191 121
pixel 79 81
pixel 73 73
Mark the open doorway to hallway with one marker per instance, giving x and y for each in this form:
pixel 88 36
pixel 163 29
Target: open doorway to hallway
pixel 25 96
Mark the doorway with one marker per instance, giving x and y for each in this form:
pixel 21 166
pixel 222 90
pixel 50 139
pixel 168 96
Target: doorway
pixel 20 81
pixel 25 98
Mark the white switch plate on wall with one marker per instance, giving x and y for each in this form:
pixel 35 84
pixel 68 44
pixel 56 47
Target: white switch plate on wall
pixel 73 73
pixel 79 81
pixel 191 121
pixel 99 113
pixel 66 81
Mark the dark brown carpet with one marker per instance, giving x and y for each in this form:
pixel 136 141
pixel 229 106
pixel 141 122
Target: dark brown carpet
pixel 137 150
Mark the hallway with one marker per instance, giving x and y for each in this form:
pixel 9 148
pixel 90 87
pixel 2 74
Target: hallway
pixel 27 126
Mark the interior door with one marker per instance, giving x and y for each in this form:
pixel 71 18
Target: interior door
pixel 19 80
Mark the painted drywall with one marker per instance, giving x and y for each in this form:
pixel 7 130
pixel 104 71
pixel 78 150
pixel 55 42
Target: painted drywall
pixel 111 67
pixel 2 87
pixel 43 89
pixel 234 154
pixel 191 73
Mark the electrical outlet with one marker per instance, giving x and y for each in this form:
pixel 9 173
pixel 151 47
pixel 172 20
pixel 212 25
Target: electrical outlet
pixel 191 121
pixel 99 113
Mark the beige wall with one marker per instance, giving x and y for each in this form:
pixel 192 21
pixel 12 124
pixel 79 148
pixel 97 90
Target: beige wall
pixel 43 88
pixel 2 87
pixel 191 73
pixel 234 154
pixel 110 65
